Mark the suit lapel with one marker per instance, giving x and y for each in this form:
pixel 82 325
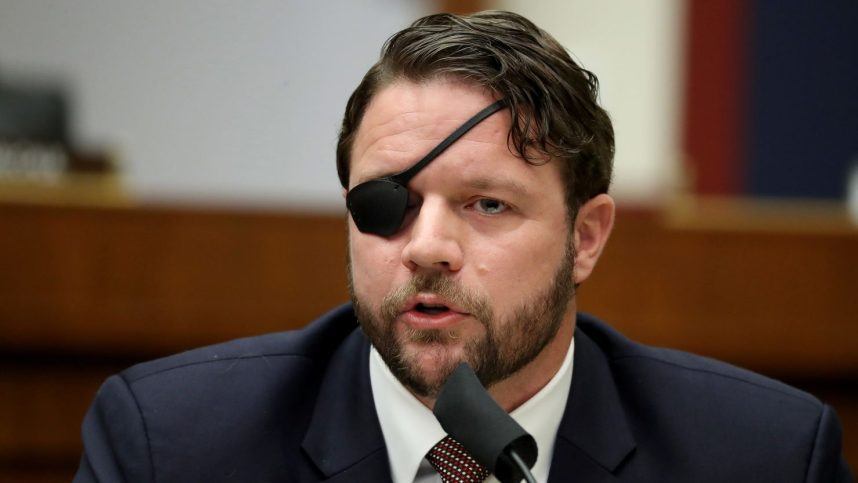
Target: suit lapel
pixel 594 436
pixel 344 438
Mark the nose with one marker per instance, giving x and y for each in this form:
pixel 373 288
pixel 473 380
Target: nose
pixel 434 239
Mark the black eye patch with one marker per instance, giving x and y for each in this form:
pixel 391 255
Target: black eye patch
pixel 378 205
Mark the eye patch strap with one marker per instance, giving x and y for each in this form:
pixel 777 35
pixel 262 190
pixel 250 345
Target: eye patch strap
pixel 405 176
pixel 378 206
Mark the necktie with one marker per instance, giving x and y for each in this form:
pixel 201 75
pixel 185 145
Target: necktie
pixel 453 462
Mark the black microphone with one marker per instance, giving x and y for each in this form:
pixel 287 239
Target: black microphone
pixel 468 414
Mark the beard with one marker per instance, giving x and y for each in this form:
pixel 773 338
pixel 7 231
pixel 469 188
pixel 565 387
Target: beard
pixel 506 345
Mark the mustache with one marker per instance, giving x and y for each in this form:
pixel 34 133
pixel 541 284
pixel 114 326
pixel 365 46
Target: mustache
pixel 440 285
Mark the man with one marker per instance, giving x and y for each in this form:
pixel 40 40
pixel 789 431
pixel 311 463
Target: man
pixel 475 164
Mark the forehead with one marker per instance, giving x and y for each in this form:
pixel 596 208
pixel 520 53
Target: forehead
pixel 405 120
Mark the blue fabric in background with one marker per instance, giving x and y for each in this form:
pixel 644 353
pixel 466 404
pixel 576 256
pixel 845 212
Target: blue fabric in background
pixel 802 130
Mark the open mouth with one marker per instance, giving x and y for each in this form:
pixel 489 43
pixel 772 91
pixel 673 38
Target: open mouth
pixel 431 309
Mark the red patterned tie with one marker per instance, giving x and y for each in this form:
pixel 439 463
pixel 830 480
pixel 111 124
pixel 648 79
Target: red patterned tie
pixel 453 462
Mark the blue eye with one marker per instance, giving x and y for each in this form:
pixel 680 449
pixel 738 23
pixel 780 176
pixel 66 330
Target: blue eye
pixel 490 206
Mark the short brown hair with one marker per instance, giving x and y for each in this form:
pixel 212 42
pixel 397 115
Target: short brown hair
pixel 552 100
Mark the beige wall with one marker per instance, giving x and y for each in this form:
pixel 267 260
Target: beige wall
pixel 233 102
pixel 635 48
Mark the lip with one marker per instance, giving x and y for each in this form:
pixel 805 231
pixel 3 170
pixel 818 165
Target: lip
pixel 431 299
pixel 419 320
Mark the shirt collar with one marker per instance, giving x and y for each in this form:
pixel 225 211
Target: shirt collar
pixel 410 429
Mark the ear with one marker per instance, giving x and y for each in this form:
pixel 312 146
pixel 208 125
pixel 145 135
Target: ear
pixel 592 227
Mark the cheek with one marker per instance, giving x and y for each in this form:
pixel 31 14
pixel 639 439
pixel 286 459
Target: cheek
pixel 374 263
pixel 511 268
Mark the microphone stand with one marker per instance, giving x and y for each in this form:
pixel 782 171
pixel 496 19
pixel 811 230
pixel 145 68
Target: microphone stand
pixel 522 467
pixel 468 414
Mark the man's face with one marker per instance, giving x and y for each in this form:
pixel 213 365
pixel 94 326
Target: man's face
pixel 481 270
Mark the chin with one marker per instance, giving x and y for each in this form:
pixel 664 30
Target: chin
pixel 432 363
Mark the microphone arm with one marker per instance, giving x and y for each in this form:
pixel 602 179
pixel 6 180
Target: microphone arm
pixel 468 414
pixel 522 467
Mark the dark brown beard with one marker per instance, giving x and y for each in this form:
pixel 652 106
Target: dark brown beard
pixel 495 356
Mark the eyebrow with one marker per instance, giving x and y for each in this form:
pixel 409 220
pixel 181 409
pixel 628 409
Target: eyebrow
pixel 503 184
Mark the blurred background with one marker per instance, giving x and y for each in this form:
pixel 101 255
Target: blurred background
pixel 167 180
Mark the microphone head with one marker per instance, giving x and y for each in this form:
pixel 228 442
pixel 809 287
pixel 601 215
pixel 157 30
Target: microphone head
pixel 469 414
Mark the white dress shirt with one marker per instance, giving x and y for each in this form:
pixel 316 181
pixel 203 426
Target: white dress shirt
pixel 410 429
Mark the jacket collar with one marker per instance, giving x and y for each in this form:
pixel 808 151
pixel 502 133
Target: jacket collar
pixel 344 438
pixel 594 425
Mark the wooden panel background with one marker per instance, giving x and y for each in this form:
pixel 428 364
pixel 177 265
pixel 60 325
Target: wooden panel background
pixel 86 291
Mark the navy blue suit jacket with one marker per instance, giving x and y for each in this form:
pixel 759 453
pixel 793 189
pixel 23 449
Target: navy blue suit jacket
pixel 298 406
